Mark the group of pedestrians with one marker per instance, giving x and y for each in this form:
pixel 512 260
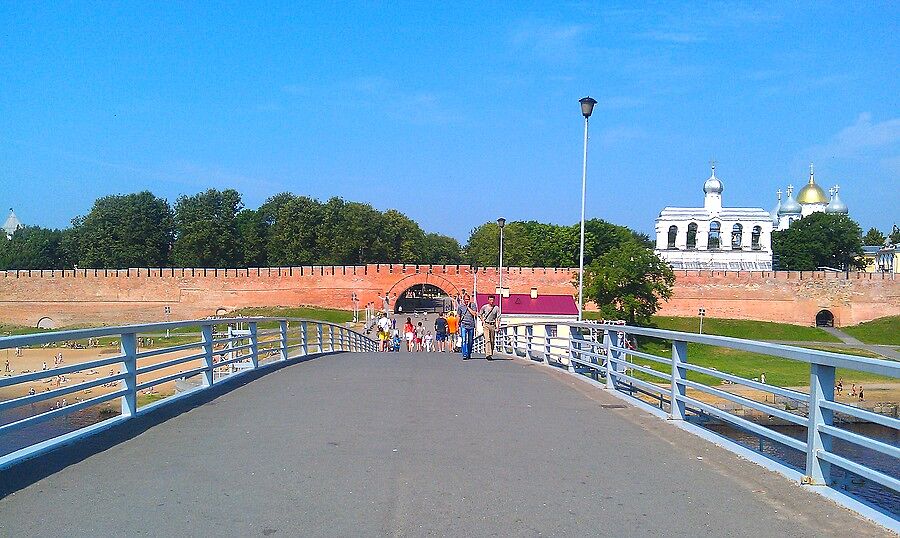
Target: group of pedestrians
pixel 453 331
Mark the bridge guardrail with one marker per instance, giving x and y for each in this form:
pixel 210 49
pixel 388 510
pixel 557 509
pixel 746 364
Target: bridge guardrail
pixel 214 357
pixel 604 352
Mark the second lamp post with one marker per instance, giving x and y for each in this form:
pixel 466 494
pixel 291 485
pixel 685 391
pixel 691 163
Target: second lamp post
pixel 587 108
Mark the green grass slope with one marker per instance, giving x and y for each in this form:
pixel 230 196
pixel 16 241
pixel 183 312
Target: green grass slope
pixel 879 331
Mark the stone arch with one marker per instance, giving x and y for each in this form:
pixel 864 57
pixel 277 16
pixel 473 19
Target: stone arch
pixel 423 278
pixel 824 318
pixel 46 322
pixel 221 312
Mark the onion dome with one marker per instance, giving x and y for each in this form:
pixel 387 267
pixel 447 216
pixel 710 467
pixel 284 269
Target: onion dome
pixel 812 193
pixel 790 206
pixel 775 210
pixel 836 206
pixel 713 185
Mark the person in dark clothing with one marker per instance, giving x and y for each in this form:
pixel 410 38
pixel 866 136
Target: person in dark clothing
pixel 467 312
pixel 440 332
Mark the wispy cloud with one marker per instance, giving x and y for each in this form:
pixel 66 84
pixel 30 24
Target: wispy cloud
pixel 618 134
pixel 553 41
pixel 620 102
pixel 864 138
pixel 673 37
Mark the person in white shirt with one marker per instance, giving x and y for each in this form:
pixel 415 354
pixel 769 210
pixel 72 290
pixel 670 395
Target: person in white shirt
pixel 384 331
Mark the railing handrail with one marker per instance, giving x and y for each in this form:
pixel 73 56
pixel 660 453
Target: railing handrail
pixel 132 377
pixel 811 356
pixel 21 340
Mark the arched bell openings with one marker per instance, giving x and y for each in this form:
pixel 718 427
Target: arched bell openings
pixel 715 235
pixel 692 235
pixel 737 236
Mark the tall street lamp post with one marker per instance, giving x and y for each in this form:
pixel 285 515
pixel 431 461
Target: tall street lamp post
pixel 587 108
pixel 501 222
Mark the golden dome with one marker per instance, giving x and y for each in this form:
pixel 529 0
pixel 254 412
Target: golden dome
pixel 812 193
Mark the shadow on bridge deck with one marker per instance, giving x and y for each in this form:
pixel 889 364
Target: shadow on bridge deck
pixel 364 444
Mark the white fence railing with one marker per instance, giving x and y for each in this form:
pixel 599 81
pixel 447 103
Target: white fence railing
pixel 208 357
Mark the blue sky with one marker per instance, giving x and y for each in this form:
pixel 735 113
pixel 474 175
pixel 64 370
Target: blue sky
pixel 452 113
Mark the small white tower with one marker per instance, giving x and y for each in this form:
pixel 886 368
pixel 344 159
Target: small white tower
pixel 12 224
pixel 712 189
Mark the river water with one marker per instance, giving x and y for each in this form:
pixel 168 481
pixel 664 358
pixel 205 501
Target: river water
pixel 871 492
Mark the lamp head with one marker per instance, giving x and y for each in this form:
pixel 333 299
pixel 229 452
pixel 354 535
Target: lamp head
pixel 587 106
pixel 501 222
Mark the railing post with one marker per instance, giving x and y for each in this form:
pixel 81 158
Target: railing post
pixel 321 335
pixel 304 337
pixel 128 346
pixel 254 345
pixel 284 339
pixel 821 388
pixel 207 331
pixel 612 340
pixel 572 332
pixel 547 343
pixel 679 374
pixel 529 339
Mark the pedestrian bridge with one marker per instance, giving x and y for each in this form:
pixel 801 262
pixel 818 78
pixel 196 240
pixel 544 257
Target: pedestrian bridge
pixel 340 440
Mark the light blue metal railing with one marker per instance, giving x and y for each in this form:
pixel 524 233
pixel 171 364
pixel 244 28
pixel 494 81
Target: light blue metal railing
pixel 605 353
pixel 214 357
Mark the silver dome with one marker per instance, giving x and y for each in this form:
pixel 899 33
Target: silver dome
pixel 836 205
pixel 790 206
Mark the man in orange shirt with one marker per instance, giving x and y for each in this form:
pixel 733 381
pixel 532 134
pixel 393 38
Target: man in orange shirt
pixel 452 328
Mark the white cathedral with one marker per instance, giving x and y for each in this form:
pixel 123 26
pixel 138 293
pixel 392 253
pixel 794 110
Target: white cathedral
pixel 734 238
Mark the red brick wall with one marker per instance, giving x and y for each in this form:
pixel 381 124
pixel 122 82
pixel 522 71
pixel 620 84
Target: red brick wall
pixel 139 295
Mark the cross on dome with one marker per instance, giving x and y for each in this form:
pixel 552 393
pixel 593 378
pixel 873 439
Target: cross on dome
pixel 790 190
pixel 778 194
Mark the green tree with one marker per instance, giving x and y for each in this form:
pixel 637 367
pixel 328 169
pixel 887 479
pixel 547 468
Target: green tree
pixel 293 232
pixel 895 235
pixel 873 238
pixel 403 238
pixel 628 282
pixel 131 230
pixel 253 232
pixel 535 244
pixel 206 229
pixel 441 250
pixel 33 247
pixel 819 240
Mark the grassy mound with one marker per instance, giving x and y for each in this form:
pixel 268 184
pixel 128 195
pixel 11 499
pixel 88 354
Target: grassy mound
pixel 879 331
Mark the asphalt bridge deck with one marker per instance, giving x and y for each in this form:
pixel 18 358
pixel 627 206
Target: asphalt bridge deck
pixel 407 444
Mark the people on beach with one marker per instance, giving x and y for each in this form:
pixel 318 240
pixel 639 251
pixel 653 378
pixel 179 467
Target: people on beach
pixel 7 366
pixel 839 388
pixel 861 395
pixel 489 314
pixel 467 312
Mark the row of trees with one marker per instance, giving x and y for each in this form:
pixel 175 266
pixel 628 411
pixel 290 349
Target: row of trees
pixel 214 229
